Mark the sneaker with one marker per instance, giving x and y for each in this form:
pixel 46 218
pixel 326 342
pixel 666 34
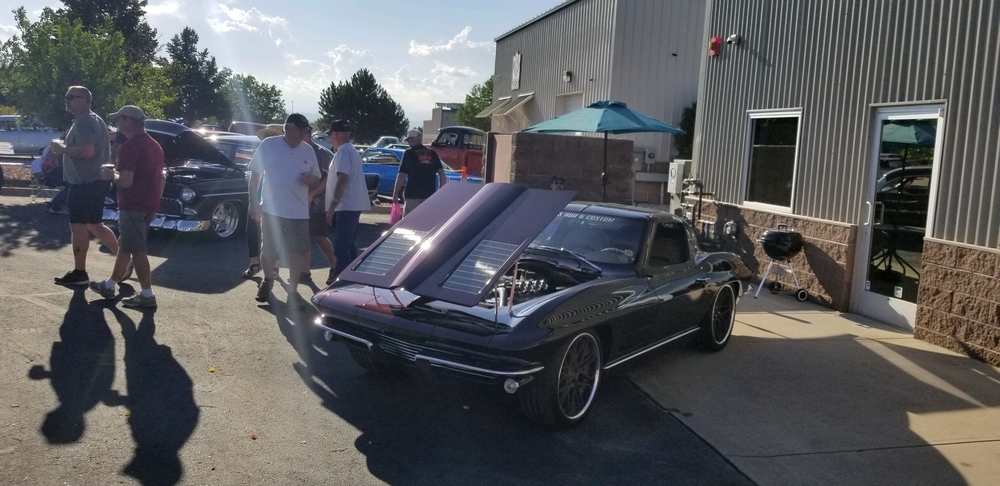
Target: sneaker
pixel 332 277
pixel 103 291
pixel 140 300
pixel 264 290
pixel 76 277
pixel 252 270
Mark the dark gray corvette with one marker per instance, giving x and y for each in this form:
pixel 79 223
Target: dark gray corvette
pixel 520 287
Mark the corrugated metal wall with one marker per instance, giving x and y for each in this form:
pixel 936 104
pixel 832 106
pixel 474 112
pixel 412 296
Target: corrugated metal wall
pixel 834 59
pixel 658 52
pixel 577 38
pixel 643 52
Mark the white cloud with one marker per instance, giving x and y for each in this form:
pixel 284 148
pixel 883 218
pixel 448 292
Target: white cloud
pixel 458 43
pixel 347 61
pixel 167 7
pixel 253 20
pixel 7 31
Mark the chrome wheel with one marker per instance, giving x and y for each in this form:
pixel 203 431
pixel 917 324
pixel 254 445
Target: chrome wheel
pixel 225 220
pixel 578 376
pixel 718 324
pixel 564 390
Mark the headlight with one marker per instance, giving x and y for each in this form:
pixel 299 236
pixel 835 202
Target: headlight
pixel 187 194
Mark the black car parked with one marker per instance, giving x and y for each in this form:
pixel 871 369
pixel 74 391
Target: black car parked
pixel 205 190
pixel 207 181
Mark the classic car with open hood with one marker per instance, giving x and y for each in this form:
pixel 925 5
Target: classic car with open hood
pixel 205 189
pixel 521 288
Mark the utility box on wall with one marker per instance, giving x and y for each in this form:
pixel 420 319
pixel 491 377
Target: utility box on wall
pixel 679 170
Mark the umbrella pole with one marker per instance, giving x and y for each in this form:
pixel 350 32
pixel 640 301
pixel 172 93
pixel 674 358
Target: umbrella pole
pixel 604 175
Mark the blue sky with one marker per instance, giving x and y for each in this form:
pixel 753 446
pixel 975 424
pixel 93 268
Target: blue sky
pixel 421 52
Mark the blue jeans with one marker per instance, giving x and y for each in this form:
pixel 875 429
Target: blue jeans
pixel 345 229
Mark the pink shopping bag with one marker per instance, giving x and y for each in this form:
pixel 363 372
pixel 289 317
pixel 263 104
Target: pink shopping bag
pixel 396 213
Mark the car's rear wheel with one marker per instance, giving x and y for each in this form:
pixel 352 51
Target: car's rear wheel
pixel 717 326
pixel 566 387
pixel 227 219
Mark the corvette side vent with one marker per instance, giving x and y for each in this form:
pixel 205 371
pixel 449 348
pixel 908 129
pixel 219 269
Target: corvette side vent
pixel 390 252
pixel 480 266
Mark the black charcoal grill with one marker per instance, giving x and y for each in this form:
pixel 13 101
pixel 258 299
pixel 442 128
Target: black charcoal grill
pixel 781 245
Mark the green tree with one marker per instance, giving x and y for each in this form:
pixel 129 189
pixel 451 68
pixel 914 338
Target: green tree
pixel 127 17
pixel 254 101
pixel 366 104
pixel 197 79
pixel 684 142
pixel 476 101
pixel 47 56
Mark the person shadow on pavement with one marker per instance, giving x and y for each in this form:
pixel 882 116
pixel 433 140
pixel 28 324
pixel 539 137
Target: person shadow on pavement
pixel 81 369
pixel 160 401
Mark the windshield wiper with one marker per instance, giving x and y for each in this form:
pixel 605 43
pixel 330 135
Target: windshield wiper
pixel 561 250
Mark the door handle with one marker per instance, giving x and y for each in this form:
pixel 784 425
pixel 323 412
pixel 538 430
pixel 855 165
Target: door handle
pixel 881 212
pixel 868 217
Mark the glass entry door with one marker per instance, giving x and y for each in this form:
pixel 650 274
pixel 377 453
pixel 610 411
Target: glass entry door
pixel 896 213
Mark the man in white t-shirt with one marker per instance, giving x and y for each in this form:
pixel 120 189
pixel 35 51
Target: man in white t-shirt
pixel 287 169
pixel 346 194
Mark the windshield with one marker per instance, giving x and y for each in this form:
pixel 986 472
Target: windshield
pixel 596 237
pixel 239 152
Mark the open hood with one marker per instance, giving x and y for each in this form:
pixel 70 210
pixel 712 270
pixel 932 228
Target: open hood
pixel 457 244
pixel 181 144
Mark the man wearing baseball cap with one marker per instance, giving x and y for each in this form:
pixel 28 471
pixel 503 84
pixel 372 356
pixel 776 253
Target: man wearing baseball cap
pixel 138 173
pixel 346 194
pixel 285 169
pixel 419 169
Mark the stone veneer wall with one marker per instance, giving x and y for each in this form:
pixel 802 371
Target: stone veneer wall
pixel 958 304
pixel 825 265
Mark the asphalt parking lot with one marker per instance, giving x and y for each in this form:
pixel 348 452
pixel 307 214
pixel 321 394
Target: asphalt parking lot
pixel 212 388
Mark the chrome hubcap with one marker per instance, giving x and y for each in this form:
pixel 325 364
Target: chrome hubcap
pixel 578 376
pixel 225 219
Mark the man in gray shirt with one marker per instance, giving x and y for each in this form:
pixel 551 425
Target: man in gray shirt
pixel 87 147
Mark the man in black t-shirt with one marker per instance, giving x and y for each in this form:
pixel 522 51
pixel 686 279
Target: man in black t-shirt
pixel 419 167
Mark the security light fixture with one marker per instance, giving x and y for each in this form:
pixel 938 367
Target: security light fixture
pixel 567 76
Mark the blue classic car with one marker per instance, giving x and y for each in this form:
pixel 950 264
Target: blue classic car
pixel 385 162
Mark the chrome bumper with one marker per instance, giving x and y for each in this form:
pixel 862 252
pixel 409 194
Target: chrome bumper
pixel 166 222
pixel 433 361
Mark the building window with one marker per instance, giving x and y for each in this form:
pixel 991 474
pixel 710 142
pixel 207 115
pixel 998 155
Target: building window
pixel 770 171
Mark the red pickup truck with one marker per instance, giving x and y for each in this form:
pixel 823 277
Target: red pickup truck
pixel 461 147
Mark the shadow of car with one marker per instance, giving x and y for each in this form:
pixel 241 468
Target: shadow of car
pixel 524 290
pixel 385 162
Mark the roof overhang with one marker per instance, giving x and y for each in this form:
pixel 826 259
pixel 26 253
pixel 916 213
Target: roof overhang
pixel 517 103
pixel 494 107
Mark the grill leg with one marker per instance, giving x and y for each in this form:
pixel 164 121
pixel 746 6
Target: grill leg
pixel 763 279
pixel 792 270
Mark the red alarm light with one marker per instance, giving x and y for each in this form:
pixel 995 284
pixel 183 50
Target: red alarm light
pixel 714 46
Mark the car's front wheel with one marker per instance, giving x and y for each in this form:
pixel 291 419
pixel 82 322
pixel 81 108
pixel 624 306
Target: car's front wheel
pixel 227 220
pixel 566 387
pixel 717 326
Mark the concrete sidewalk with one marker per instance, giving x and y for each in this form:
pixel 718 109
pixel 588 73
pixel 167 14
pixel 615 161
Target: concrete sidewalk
pixel 807 395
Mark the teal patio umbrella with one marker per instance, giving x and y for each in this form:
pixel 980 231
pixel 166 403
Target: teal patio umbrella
pixel 910 132
pixel 604 117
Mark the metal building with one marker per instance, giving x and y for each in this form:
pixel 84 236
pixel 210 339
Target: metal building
pixel 646 53
pixel 871 127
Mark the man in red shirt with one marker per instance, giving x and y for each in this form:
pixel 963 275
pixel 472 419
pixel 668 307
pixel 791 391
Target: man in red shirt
pixel 140 180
